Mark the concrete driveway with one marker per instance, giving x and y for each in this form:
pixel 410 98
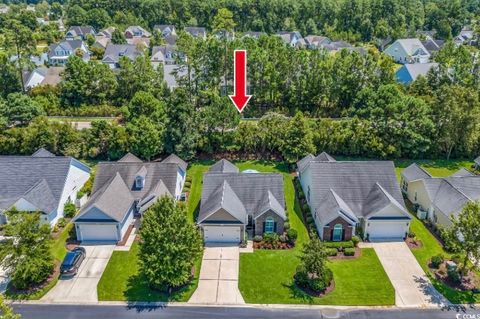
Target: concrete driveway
pixel 83 286
pixel 218 283
pixel 412 286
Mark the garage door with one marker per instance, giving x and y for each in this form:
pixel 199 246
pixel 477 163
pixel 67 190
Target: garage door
pixel 386 230
pixel 221 234
pixel 98 232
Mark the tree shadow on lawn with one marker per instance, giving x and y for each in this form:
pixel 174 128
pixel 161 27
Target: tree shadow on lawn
pixel 297 294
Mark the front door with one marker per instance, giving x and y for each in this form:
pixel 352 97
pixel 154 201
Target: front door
pixel 337 232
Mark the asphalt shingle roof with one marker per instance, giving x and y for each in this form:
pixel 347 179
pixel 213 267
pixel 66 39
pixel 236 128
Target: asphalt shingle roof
pixel 414 172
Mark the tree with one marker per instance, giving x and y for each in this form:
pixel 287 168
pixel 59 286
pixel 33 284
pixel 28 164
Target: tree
pixel 138 75
pixel 169 245
pixel 28 257
pixel 19 109
pixel 298 139
pixel 9 77
pixel 463 236
pixel 223 20
pixel 56 11
pixel 145 137
pixel 76 15
pixel 118 37
pixel 313 271
pixel 6 311
pixel 144 103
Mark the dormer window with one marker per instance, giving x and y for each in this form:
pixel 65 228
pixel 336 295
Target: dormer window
pixel 139 182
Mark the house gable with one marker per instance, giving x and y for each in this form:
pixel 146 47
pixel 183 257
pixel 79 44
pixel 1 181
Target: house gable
pixel 392 212
pixel 94 213
pixel 221 215
pixel 25 206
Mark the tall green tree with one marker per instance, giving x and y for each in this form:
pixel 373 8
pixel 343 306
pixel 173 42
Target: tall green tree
pixel 6 311
pixel 298 139
pixel 146 137
pixel 19 109
pixel 28 256
pixel 169 245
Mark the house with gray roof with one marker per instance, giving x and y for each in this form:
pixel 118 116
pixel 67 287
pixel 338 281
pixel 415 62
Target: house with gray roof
pixel 235 202
pixel 123 190
pixel 291 38
pixel 349 197
pixel 43 76
pixel 77 32
pixel 197 32
pixel 59 53
pixel 316 41
pixel 41 183
pixel 165 29
pixel 114 52
pixel 136 31
pixel 439 198
pixel 410 72
pixel 408 51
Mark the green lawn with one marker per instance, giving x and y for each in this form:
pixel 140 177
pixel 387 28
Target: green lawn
pixel 196 171
pixel 266 276
pixel 121 281
pixel 438 168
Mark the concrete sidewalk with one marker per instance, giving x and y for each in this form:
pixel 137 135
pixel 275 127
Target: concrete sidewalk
pixel 218 282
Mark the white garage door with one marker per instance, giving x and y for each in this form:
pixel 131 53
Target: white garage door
pixel 221 234
pixel 98 232
pixel 386 230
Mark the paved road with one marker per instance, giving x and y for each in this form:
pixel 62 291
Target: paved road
pixel 35 311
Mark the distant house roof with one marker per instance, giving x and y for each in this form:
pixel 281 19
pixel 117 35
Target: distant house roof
pixel 137 31
pixel 39 179
pixel 241 194
pixel 359 187
pixel 114 52
pixel 171 39
pixel 414 172
pixel 165 29
pixel 163 53
pixel 433 45
pixel 66 45
pixel 81 31
pixel 172 158
pixel 197 32
pixel 477 160
pixel 411 46
pixel 254 34
pixel 107 32
pixel 288 36
pixel 410 72
pixel 316 40
pixel 463 172
pixel 322 157
pixel 44 76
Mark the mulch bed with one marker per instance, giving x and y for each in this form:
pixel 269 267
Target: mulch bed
pixel 125 237
pixel 317 294
pixel 340 255
pixel 70 245
pixel 279 246
pixel 413 244
pixel 467 283
pixel 34 288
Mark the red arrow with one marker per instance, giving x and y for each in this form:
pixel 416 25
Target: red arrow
pixel 240 97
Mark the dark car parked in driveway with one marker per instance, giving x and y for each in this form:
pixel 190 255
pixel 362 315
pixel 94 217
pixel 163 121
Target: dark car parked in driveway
pixel 72 261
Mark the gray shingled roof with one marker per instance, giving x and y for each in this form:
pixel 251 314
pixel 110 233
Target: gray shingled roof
pixel 250 188
pixel 172 158
pixel 223 166
pixel 333 206
pixel 114 52
pixel 414 172
pixel 113 199
pixel 463 172
pixel 353 182
pixel 301 164
pixel 129 157
pixel 378 199
pixel 41 152
pixel 223 197
pixel 324 157
pixel 477 160
pixel 40 179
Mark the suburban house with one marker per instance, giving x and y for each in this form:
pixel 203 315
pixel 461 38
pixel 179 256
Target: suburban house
pixel 136 32
pixel 235 202
pixel 163 54
pixel 410 72
pixel 316 41
pixel 123 190
pixel 439 198
pixel 466 36
pixel 103 38
pixel 477 163
pixel 349 197
pixel 165 29
pixel 41 183
pixel 60 52
pixel 433 45
pixel 107 32
pixel 253 34
pixel 197 32
pixel 43 76
pixel 114 52
pixel 292 38
pixel 408 51
pixel 79 33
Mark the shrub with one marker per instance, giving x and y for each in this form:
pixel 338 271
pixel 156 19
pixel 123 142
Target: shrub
pixel 69 210
pixel 411 234
pixel 355 240
pixel 331 252
pixel 305 207
pixel 271 238
pixel 349 252
pixel 286 226
pixel 317 284
pixel 257 238
pixel 301 194
pixel 283 238
pixel 309 219
pixel 436 261
pixel 187 184
pixel 339 245
pixel 453 276
pixel 62 222
pixel 292 235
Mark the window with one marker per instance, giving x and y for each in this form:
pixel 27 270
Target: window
pixel 337 232
pixel 415 196
pixel 269 225
pixel 308 194
pixel 139 181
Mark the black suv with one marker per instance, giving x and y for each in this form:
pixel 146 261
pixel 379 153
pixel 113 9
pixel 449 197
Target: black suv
pixel 72 261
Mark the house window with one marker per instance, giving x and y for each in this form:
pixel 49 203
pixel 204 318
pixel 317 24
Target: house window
pixel 337 232
pixel 415 196
pixel 269 225
pixel 308 194
pixel 139 181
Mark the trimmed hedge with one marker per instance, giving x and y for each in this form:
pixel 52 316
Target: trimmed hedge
pixel 331 251
pixel 349 252
pixel 339 245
